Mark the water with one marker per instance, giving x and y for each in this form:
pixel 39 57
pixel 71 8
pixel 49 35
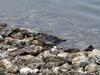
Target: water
pixel 78 21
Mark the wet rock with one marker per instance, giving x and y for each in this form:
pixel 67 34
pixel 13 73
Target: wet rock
pixel 49 39
pixel 3 54
pixel 25 71
pixel 91 68
pixel 90 48
pixel 8 66
pixel 3 25
pixel 74 50
pixel 25 33
pixel 83 64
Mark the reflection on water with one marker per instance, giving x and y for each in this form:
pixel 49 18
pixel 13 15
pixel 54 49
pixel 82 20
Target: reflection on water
pixel 75 20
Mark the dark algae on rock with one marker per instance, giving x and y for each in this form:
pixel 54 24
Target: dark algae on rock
pixel 26 53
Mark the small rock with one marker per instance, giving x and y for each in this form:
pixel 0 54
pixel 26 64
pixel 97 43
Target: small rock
pixel 83 64
pixel 47 72
pixel 27 59
pixel 65 67
pixel 90 48
pixel 9 40
pixel 63 54
pixel 96 52
pixel 22 43
pixel 9 66
pixel 11 49
pixel 37 43
pixel 1 38
pixel 54 48
pixel 47 54
pixel 91 68
pixel 56 70
pixel 79 59
pixel 97 61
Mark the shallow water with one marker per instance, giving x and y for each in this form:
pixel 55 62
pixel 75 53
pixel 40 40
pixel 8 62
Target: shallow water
pixel 78 21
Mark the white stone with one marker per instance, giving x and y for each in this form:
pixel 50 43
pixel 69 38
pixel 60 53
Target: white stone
pixel 11 49
pixel 54 48
pixel 1 38
pixel 25 71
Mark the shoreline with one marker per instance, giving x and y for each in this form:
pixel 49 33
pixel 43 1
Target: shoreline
pixel 26 53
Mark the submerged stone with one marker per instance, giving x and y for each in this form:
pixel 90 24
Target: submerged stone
pixel 90 48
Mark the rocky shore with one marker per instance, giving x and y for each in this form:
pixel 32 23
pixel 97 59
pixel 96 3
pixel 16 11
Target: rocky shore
pixel 26 53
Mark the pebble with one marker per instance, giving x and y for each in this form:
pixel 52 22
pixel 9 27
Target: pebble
pixel 91 68
pixel 83 64
pixel 96 52
pixel 8 66
pixel 25 71
pixel 54 49
pixel 97 61
pixel 65 67
pixel 63 54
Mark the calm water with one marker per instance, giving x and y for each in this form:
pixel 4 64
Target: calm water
pixel 78 21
